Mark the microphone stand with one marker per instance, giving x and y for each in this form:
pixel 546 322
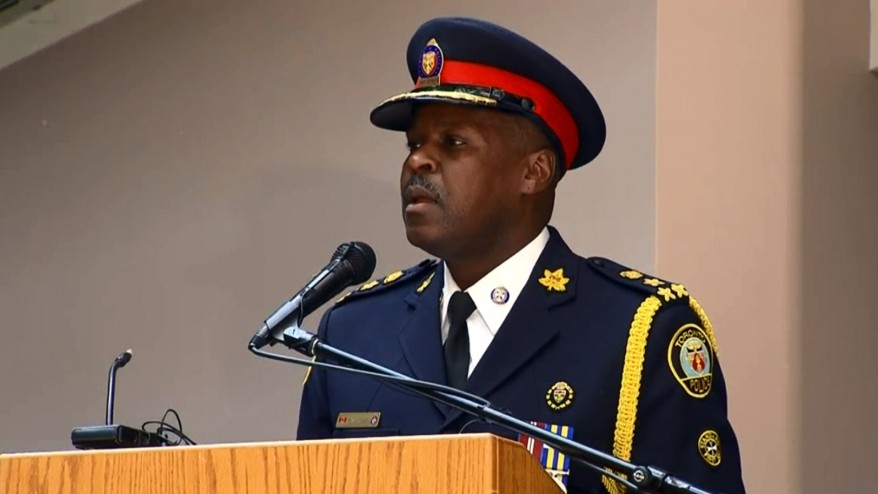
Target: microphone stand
pixel 110 435
pixel 118 363
pixel 644 478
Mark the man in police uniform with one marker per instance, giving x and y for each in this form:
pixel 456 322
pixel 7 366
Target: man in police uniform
pixel 614 358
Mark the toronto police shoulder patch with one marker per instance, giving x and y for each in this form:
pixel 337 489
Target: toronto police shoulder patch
pixel 691 359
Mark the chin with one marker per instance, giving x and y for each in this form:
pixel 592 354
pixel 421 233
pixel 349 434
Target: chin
pixel 425 238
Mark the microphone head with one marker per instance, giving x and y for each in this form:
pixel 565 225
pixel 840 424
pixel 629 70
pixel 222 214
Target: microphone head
pixel 123 358
pixel 360 258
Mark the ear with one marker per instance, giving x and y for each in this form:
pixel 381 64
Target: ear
pixel 539 171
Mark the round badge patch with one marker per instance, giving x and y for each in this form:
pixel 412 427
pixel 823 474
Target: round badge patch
pixel 559 396
pixel 500 295
pixel 708 448
pixel 690 357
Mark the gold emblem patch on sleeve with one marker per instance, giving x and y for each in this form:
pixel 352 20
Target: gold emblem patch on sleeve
pixel 691 360
pixel 708 448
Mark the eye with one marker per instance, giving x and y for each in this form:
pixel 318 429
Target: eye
pixel 454 141
pixel 412 145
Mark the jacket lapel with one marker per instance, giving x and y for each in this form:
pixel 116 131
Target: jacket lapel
pixel 531 324
pixel 420 338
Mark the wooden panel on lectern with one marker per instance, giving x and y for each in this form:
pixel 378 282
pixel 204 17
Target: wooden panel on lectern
pixel 470 463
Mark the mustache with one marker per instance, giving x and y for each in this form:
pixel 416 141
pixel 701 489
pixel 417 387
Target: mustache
pixel 422 182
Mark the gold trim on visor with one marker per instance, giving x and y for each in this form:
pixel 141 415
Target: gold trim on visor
pixel 452 95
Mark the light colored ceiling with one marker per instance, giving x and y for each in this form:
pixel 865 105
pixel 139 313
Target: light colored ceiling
pixel 55 21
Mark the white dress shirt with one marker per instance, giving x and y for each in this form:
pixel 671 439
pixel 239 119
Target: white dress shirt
pixel 489 315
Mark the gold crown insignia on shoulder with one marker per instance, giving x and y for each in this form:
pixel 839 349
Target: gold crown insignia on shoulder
pixel 665 290
pixel 392 279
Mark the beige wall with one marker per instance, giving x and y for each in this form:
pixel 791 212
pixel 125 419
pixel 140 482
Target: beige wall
pixel 839 246
pixel 168 176
pixel 728 167
pixel 767 145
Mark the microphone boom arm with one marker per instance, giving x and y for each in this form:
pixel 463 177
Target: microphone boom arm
pixel 645 478
pixel 117 364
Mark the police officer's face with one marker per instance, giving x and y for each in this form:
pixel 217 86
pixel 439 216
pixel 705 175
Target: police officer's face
pixel 461 180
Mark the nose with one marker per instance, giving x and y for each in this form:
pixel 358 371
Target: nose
pixel 421 160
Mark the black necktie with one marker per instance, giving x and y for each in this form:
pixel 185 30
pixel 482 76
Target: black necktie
pixel 460 306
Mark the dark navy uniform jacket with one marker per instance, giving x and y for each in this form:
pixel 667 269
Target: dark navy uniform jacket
pixel 625 359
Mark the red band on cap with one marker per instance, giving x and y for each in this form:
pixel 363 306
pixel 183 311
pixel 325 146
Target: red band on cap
pixel 547 105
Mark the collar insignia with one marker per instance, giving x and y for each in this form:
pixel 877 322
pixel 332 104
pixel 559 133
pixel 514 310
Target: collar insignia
pixel 500 295
pixel 554 280
pixel 425 283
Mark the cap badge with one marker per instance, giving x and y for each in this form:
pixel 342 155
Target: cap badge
pixel 559 396
pixel 500 295
pixel 554 280
pixel 430 68
pixel 690 357
pixel 708 448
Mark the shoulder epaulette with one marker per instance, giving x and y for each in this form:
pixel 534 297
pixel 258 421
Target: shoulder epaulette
pixel 392 280
pixel 666 291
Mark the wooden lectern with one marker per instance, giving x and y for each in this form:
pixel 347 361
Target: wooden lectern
pixel 459 464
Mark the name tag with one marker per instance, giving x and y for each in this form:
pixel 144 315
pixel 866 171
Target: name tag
pixel 358 420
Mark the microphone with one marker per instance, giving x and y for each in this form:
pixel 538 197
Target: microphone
pixel 118 363
pixel 351 263
pixel 110 435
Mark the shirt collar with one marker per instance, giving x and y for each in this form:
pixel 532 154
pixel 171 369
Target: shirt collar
pixel 511 275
